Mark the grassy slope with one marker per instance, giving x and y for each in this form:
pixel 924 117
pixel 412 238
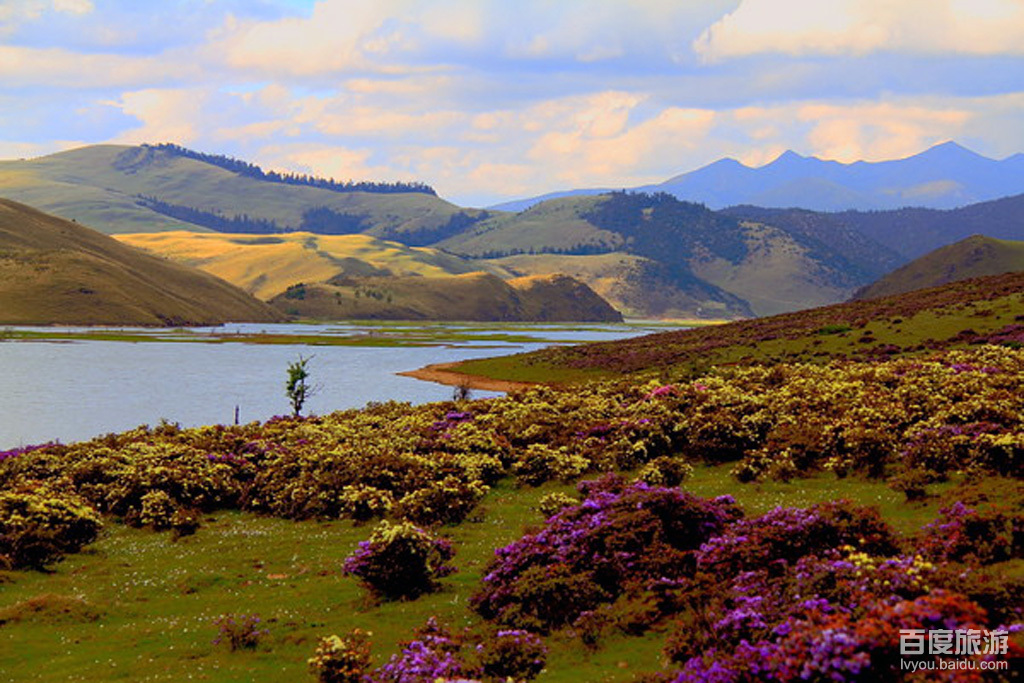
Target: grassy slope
pixel 778 274
pixel 267 265
pixel 96 185
pixel 975 256
pixel 54 271
pixel 904 324
pixel 783 270
pixel 630 283
pixel 156 599
pixel 472 296
pixel 554 224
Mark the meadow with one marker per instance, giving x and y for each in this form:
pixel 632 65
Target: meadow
pixel 658 527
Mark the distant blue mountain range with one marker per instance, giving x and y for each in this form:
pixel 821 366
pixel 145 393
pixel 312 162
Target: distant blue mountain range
pixel 943 177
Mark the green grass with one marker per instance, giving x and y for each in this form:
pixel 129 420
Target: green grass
pixel 149 602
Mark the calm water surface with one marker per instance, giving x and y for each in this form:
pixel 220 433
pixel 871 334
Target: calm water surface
pixel 74 390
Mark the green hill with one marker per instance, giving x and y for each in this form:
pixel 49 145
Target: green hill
pixel 123 189
pixel 666 258
pixel 649 255
pixel 972 257
pixel 957 314
pixel 473 296
pixel 53 271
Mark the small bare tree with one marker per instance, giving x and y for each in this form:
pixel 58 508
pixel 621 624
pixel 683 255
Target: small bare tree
pixel 297 387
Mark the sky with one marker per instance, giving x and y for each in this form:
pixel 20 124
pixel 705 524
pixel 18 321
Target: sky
pixel 488 100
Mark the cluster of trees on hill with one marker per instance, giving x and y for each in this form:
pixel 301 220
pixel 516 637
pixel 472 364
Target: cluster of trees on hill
pixel 663 228
pixel 248 170
pixel 241 223
pixel 581 249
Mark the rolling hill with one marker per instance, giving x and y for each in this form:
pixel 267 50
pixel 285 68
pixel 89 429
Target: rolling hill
pixel 954 315
pixel 469 297
pixel 54 271
pixel 975 256
pixel 267 265
pixel 650 255
pixel 361 277
pixel 653 255
pixel 124 189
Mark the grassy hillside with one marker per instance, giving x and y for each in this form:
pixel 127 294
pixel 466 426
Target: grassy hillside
pixel 778 273
pixel 954 315
pixel 267 265
pixel 106 186
pixel 975 256
pixel 53 271
pixel 551 226
pixel 663 257
pixel 637 286
pixel 473 296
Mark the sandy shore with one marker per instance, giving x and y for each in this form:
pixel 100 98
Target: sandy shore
pixel 442 373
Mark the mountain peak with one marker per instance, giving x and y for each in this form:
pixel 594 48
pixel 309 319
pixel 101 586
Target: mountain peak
pixel 787 157
pixel 949 150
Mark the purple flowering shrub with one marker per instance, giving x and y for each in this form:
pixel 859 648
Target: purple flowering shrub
pixel 434 654
pixel 588 554
pixel 401 561
pixel 787 534
pixel 975 536
pixel 821 594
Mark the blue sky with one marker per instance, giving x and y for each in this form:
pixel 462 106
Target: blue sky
pixel 494 99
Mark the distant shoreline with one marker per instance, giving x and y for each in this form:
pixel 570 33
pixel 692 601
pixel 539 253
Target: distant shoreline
pixel 442 373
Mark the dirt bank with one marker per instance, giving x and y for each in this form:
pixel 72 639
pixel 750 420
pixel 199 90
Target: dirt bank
pixel 442 373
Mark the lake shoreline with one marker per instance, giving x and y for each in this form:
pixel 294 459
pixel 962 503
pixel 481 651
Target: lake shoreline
pixel 444 373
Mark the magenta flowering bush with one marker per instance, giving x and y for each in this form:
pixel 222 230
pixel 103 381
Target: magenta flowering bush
pixel 787 534
pixel 434 654
pixel 401 561
pixel 974 535
pixel 588 554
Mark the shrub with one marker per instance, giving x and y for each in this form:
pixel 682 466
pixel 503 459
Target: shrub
pixel 448 501
pixel 513 655
pixel 342 660
pixel 157 510
pixel 400 561
pixel 40 526
pixel 588 554
pixel 976 536
pixel 239 631
pixel 363 503
pixel 665 470
pixel 541 463
pixel 553 503
pixel 434 655
pixel 787 534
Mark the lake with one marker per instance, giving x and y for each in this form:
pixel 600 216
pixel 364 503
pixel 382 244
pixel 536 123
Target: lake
pixel 69 385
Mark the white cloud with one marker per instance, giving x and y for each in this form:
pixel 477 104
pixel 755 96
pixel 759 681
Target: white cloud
pixel 859 27
pixel 176 115
pixel 59 68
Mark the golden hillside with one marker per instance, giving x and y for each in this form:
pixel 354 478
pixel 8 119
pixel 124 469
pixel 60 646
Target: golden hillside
pixel 267 265
pixel 54 271
pixel 472 296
